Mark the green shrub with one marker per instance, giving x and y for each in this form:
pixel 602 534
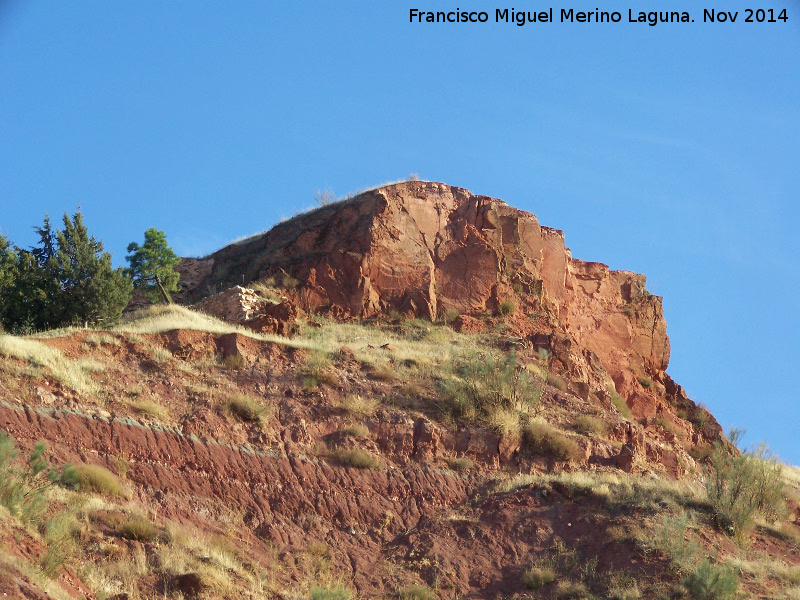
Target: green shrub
pixel 542 438
pixel 507 308
pixel 483 383
pixel 330 593
pixel 645 382
pixel 536 577
pixel 358 458
pixel 317 370
pixel 591 425
pixel 742 487
pixel 711 581
pixel 246 408
pixel 416 592
pixel 460 464
pixel 139 529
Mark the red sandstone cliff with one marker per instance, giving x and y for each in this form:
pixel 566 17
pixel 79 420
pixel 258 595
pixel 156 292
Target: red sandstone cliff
pixel 428 249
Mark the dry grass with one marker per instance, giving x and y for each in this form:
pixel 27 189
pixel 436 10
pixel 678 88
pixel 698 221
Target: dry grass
pixel 359 406
pixel 152 409
pixel 246 408
pixel 536 577
pixel 616 488
pixel 138 528
pixel 591 425
pixel 357 431
pixel 506 422
pixel 360 459
pixel 94 478
pixel 74 374
pixel 460 464
pixel 543 438
pixel 620 404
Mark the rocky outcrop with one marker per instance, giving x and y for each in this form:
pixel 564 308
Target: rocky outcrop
pixel 427 249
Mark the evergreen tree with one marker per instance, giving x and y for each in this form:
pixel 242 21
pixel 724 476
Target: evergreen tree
pixel 8 277
pixel 152 266
pixel 67 279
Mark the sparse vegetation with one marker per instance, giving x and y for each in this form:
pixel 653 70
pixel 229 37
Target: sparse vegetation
pixel 330 593
pixel 138 528
pixel 620 404
pixel 416 592
pixel 152 409
pixel 713 581
pixel 357 430
pixel 644 382
pixel 542 438
pixel 536 577
pixel 743 487
pixel 591 425
pixel 358 458
pixel 97 479
pixel 360 407
pixel 507 308
pixel 460 464
pixel 246 408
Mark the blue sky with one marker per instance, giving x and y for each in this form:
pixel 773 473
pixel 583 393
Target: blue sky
pixel 669 150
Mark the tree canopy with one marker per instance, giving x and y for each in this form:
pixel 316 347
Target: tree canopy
pixel 67 279
pixel 152 266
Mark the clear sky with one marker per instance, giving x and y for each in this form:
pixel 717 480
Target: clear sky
pixel 669 150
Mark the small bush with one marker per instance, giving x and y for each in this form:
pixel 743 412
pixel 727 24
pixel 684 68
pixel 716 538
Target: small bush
pixel 246 408
pixel 360 406
pixel 701 452
pixel 357 431
pixel 591 425
pixel 416 592
pixel 460 464
pixel 330 593
pixel 484 383
pixel 358 458
pixel 507 308
pixel 744 487
pixel 545 439
pixel 94 478
pixel 711 581
pixel 536 577
pixel 139 529
pixel 645 382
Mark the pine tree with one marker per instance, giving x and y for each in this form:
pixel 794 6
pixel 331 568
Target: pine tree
pixel 152 266
pixel 8 277
pixel 67 279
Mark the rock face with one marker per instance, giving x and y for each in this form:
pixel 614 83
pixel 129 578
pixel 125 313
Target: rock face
pixel 428 249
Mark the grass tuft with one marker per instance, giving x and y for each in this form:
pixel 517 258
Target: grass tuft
pixel 543 438
pixel 358 458
pixel 246 408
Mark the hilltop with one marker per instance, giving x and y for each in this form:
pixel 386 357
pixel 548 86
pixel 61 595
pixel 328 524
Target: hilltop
pixel 416 392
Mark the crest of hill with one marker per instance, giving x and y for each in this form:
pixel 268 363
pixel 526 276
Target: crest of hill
pixel 431 250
